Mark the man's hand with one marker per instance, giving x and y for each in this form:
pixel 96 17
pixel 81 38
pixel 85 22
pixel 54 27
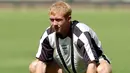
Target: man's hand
pixel 91 67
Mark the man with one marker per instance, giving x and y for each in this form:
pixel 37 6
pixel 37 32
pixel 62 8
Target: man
pixel 69 46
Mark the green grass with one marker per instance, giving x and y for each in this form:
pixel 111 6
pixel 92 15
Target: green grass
pixel 20 33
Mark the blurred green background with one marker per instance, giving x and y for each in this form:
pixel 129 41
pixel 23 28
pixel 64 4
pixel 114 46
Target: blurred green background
pixel 21 29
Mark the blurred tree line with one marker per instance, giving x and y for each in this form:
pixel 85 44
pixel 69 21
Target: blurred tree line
pixel 33 3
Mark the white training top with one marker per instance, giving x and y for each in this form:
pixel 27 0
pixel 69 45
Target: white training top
pixel 86 48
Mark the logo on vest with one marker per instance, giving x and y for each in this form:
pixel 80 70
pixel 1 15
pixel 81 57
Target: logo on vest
pixel 64 47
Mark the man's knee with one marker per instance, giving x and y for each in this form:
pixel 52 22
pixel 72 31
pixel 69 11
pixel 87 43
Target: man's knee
pixel 104 67
pixel 52 67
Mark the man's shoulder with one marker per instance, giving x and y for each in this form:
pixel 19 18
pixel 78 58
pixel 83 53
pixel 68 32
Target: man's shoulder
pixel 81 27
pixel 49 30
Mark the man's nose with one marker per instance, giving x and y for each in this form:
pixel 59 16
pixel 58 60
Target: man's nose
pixel 55 23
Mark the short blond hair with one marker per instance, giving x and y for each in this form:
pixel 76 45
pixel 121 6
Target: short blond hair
pixel 60 7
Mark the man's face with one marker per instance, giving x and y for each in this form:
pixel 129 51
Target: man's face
pixel 59 23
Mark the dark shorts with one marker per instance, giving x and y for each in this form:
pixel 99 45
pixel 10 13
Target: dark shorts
pixel 52 67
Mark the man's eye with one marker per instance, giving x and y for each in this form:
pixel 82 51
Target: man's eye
pixel 52 19
pixel 58 20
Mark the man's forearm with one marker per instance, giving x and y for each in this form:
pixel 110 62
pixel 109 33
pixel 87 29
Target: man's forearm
pixel 91 68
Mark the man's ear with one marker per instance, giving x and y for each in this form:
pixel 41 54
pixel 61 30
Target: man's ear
pixel 69 18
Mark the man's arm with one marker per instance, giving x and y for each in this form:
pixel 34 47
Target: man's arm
pixel 41 67
pixel 91 67
pixel 37 66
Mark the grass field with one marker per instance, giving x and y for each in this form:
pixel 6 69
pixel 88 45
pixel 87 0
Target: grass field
pixel 20 32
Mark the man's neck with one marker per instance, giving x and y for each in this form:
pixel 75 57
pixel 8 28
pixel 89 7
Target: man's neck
pixel 66 33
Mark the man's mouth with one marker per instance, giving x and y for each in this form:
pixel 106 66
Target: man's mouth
pixel 56 28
